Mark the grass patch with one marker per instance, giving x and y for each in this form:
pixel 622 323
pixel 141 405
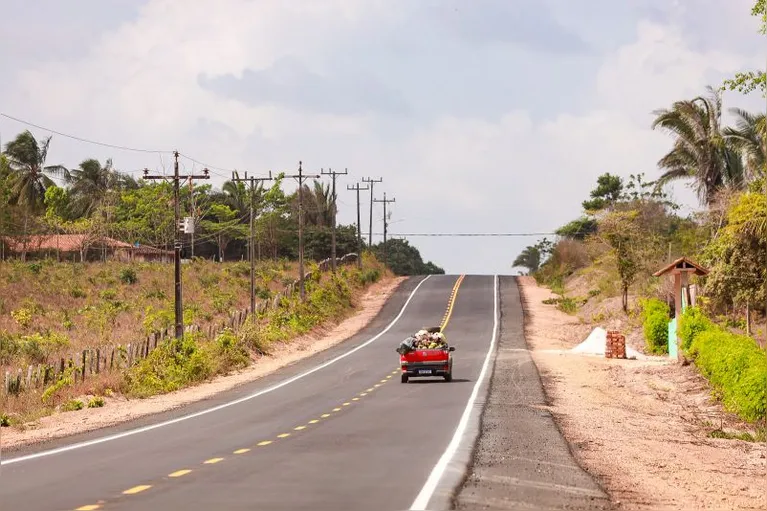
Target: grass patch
pixel 96 402
pixel 72 405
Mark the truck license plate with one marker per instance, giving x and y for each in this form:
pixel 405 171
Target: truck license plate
pixel 424 371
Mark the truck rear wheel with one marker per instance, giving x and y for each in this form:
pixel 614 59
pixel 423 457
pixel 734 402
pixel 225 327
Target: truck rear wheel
pixel 404 378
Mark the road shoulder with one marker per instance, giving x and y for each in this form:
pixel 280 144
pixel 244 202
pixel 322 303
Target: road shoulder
pixel 521 459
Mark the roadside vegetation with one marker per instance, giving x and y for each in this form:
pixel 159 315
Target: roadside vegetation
pixel 601 264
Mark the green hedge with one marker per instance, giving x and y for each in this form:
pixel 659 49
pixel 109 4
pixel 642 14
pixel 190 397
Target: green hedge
pixel 734 364
pixel 655 318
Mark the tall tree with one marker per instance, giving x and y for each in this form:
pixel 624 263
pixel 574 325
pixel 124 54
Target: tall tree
pixel 748 137
pixel 700 150
pixel 26 159
pixel 529 258
pixel 90 184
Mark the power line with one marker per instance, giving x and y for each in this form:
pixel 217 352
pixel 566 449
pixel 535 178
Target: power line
pixel 81 139
pixel 468 234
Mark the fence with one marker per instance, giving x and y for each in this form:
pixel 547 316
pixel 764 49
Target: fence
pixel 92 362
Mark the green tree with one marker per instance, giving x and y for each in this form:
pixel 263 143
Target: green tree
pixel 91 183
pixel 224 225
pixel 144 215
pixel 748 138
pixel 404 259
pixel 529 258
pixel 608 191
pixel 26 160
pixel 700 151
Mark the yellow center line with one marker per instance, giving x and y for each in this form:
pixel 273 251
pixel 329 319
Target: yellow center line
pixel 284 435
pixel 325 415
pixel 451 303
pixel 371 389
pixel 346 404
pixel 383 381
pixel 212 461
pixel 355 399
pixel 377 385
pixel 265 442
pixel 313 421
pixel 179 473
pixel 336 409
pixel 241 451
pixel 89 507
pixel 364 394
pixel 299 428
pixel 136 489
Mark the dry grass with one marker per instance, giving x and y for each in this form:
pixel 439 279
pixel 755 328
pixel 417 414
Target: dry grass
pixel 96 304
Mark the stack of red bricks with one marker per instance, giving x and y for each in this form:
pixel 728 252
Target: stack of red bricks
pixel 616 345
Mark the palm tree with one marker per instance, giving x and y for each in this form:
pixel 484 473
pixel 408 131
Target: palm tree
pixel 748 137
pixel 26 158
pixel 700 151
pixel 90 184
pixel 530 258
pixel 318 205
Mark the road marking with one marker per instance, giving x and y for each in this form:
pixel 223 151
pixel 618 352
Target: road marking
pixel 336 409
pixel 355 399
pixel 388 377
pixel 212 461
pixel 222 406
pixel 325 415
pixel 363 394
pixel 89 507
pixel 383 381
pixel 371 389
pixel 299 428
pixel 313 421
pixel 346 404
pixel 136 489
pixel 283 435
pixel 451 303
pixel 179 473
pixel 241 451
pixel 424 496
pixel 265 442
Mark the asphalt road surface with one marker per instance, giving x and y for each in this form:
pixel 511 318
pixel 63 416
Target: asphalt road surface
pixel 326 433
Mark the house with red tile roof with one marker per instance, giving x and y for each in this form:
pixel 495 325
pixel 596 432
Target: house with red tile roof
pixel 81 247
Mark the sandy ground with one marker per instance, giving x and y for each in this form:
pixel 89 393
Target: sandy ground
pixel 641 427
pixel 119 409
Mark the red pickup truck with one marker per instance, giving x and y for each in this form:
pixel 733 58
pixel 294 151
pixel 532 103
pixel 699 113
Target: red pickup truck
pixel 427 362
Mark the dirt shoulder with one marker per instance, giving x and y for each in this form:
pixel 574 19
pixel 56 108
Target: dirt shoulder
pixel 118 409
pixel 641 427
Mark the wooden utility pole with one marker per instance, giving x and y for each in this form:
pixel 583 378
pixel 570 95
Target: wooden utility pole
pixel 358 188
pixel 300 177
pixel 333 176
pixel 252 238
pixel 176 178
pixel 371 182
pixel 385 201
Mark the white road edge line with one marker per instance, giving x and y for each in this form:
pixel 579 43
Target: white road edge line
pixel 144 429
pixel 423 498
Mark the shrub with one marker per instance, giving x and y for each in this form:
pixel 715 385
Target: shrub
pixel 72 405
pixel 96 402
pixel 737 369
pixel 128 276
pixel 691 324
pixel 77 292
pixel 9 348
pixel 108 294
pixel 230 352
pixel 35 267
pixel 22 316
pixel 37 348
pixel 5 420
pixel 655 318
pixel 174 364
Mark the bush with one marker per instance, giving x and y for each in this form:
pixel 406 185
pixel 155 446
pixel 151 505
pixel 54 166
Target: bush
pixel 174 364
pixel 128 276
pixel 655 318
pixel 230 352
pixel 691 324
pixel 96 402
pixel 72 405
pixel 737 369
pixel 5 420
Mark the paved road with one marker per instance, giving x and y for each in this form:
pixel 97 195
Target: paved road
pixel 348 447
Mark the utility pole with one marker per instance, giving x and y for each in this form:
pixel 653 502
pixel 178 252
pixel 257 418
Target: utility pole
pixel 385 223
pixel 358 188
pixel 333 176
pixel 300 177
pixel 371 182
pixel 176 178
pixel 252 239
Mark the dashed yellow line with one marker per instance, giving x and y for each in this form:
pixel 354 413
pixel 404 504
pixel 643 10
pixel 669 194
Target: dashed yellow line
pixel 137 489
pixel 263 443
pixel 451 303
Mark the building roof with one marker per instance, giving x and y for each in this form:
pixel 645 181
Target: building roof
pixel 682 264
pixel 72 243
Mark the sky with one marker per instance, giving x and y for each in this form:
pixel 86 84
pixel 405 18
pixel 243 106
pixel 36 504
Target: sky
pixel 481 116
